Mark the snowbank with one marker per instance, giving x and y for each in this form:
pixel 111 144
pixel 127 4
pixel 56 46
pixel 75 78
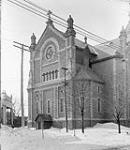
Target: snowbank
pixel 109 125
pixel 96 138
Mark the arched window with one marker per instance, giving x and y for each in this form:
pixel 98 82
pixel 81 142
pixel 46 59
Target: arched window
pixel 53 74
pixel 43 77
pixel 56 74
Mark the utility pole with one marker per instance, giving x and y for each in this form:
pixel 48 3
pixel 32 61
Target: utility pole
pixel 0 71
pixel 66 113
pixel 21 86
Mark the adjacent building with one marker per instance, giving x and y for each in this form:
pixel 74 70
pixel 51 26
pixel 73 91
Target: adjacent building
pixel 6 109
pixel 70 77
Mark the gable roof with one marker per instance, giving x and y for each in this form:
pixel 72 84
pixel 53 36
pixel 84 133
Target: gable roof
pixel 107 49
pixel 88 74
pixel 82 45
pixel 44 117
pixel 48 26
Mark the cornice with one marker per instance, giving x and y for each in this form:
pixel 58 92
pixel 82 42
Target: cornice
pixel 107 58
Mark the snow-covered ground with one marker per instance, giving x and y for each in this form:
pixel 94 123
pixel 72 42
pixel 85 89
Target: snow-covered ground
pixel 101 136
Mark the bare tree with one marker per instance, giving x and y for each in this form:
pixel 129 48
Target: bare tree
pixel 118 114
pixel 62 91
pixel 78 89
pixel 80 94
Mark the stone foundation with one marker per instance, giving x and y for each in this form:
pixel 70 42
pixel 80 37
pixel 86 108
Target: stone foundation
pixel 62 124
pixel 74 124
pixel 78 123
pixel 31 124
pixel 87 123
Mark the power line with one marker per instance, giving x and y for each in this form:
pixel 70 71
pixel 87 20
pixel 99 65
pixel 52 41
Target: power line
pixel 43 15
pixel 29 2
pixel 62 19
pixel 27 9
pixel 79 32
pixel 89 34
pixel 104 40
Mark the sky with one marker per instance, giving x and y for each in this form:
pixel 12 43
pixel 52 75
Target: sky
pixel 101 17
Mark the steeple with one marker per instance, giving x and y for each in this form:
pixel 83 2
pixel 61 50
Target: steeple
pixel 128 25
pixel 128 30
pixel 70 30
pixel 123 37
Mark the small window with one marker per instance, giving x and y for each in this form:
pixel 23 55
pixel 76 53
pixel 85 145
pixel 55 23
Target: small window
pixel 99 105
pixel 47 75
pixel 48 106
pixel 43 77
pixel 98 89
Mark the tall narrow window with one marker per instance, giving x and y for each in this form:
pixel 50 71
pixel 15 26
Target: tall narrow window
pixel 99 105
pixel 48 106
pixel 53 74
pixel 37 101
pixel 37 108
pixel 98 89
pixel 47 76
pixel 61 105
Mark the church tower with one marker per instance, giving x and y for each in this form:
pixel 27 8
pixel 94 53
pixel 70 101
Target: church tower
pixel 127 63
pixel 125 51
pixel 31 81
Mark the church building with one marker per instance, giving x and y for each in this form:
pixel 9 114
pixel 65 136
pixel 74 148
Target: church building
pixel 71 79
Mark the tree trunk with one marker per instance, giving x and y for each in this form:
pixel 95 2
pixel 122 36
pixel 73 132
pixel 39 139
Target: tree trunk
pixel 82 114
pixel 42 125
pixel 119 126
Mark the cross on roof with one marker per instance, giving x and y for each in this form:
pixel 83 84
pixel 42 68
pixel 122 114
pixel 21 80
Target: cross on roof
pixel 49 14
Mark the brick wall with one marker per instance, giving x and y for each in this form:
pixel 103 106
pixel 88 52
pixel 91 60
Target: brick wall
pixel 128 81
pixel 105 70
pixel 37 71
